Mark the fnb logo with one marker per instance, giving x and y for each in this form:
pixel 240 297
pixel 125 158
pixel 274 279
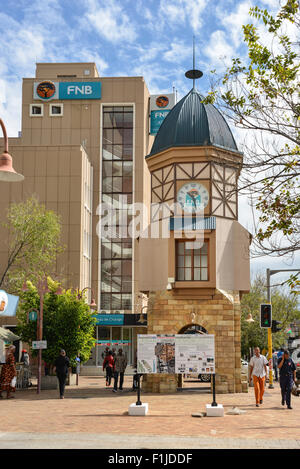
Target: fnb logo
pixel 79 90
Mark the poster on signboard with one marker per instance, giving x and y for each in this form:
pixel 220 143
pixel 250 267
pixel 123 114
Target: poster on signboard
pixel 180 353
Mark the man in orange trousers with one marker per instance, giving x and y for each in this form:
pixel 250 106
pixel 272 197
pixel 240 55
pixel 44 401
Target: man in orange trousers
pixel 258 368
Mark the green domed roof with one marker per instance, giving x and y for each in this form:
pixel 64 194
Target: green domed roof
pixel 192 123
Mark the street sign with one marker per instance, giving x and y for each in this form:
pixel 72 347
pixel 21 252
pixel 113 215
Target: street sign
pixel 39 344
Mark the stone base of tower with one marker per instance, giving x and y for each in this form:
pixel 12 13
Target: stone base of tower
pixel 219 314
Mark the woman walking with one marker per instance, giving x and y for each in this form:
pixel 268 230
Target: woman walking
pixel 8 373
pixel 109 366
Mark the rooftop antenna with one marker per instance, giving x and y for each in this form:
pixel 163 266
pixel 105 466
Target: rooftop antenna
pixel 193 74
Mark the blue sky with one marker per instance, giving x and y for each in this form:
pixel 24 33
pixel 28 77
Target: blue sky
pixel 152 38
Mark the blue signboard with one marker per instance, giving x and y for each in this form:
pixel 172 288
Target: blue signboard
pixel 109 319
pixel 156 119
pixel 80 90
pixel 8 304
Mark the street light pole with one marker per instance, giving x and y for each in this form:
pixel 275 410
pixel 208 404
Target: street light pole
pixel 270 349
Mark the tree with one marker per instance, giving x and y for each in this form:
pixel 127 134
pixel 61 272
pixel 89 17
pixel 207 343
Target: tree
pixel 67 322
pixel 260 96
pixel 284 309
pixel 33 243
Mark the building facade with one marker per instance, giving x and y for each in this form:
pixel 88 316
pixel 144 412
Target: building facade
pixel 85 144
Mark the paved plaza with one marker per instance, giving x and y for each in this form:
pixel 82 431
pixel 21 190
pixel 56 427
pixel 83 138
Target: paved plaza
pixel 92 416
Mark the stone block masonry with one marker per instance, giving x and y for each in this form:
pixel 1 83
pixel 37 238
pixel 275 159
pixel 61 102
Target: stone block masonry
pixel 219 315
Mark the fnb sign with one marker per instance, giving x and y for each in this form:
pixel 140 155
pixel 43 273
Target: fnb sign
pixel 79 90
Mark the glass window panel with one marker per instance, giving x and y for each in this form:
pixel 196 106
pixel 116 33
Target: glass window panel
pixel 197 261
pixel 188 274
pixel 107 184
pixel 117 152
pixel 188 261
pixel 107 168
pixel 106 267
pixel 128 109
pixel 180 261
pixel 127 136
pixel 116 267
pixel 106 251
pixel 117 184
pixel 117 168
pixel 107 152
pixel 128 119
pixel 127 168
pixel 180 274
pixel 103 333
pixel 108 119
pixel 126 333
pixel 116 284
pixel 107 136
pixel 118 119
pixel 116 301
pixel 204 249
pixel 127 268
pixel 196 274
pixel 204 274
pixel 127 250
pixel 117 136
pixel 181 248
pixel 127 152
pixel 126 284
pixel 105 287
pixel 116 333
pixel 203 261
pixel 127 184
pixel 126 301
pixel 105 299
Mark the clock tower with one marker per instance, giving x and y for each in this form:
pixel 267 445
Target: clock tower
pixel 194 165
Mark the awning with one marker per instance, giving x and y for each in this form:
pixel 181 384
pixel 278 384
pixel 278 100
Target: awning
pixel 7 335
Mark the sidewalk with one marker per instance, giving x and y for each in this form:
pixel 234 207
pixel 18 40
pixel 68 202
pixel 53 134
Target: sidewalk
pixel 91 409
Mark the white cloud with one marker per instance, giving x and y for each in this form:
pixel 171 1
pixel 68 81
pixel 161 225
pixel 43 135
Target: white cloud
pixel 176 12
pixel 110 21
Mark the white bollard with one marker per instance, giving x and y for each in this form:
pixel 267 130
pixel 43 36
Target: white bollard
pixel 134 409
pixel 214 411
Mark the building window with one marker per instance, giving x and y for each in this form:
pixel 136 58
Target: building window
pixel 56 110
pixel 191 261
pixel 36 110
pixel 117 189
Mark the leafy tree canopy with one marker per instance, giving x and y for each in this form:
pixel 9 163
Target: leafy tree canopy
pixel 67 322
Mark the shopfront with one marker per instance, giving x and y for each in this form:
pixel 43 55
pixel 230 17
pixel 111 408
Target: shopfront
pixel 117 331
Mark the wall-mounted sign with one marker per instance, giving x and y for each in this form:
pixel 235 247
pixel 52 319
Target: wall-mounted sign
pixel 39 345
pixel 80 90
pixel 109 319
pixel 47 90
pixel 160 106
pixel 180 353
pixel 8 304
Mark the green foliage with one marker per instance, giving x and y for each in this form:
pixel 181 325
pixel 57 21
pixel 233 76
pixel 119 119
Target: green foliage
pixel 261 94
pixel 67 322
pixel 33 243
pixel 284 309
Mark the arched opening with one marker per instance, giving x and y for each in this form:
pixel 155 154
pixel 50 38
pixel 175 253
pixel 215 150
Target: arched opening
pixel 199 381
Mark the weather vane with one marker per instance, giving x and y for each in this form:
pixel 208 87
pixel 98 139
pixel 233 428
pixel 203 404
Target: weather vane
pixel 193 74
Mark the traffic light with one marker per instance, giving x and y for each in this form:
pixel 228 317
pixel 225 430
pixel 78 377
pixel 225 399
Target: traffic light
pixel 275 325
pixel 265 315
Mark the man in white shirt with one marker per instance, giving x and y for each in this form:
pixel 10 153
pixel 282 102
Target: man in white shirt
pixel 258 368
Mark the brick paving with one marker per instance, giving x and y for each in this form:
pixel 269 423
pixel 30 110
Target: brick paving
pixel 92 408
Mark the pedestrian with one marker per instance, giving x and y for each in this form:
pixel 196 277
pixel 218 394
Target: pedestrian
pixel 26 369
pixel 8 373
pixel 105 352
pixel 287 371
pixel 258 368
pixel 109 367
pixel 61 367
pixel 280 353
pixel 120 367
pixel 275 364
pixel 114 353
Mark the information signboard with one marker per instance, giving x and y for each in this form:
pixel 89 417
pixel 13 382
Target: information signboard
pixel 39 344
pixel 180 353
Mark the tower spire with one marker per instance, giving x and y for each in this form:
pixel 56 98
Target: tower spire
pixel 193 74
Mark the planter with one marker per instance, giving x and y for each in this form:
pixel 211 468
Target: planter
pixel 71 379
pixel 49 382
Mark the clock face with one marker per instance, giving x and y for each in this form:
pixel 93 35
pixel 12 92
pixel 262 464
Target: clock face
pixel 193 197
